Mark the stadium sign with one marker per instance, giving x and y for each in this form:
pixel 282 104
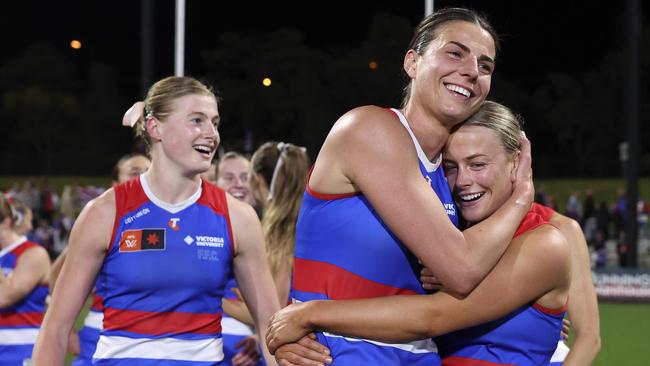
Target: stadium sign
pixel 622 284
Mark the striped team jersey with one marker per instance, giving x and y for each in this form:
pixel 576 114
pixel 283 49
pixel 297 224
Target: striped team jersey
pixel 345 251
pixel 233 331
pixel 163 278
pixel 20 322
pixel 527 336
pixel 89 333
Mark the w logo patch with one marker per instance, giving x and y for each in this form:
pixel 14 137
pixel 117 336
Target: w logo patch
pixel 144 239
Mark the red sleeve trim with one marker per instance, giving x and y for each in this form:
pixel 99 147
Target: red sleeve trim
pixel 128 196
pixel 550 311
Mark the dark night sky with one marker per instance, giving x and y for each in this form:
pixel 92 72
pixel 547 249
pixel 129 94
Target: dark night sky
pixel 571 39
pixel 539 36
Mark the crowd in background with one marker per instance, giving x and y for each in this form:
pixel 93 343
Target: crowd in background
pixel 54 213
pixel 601 221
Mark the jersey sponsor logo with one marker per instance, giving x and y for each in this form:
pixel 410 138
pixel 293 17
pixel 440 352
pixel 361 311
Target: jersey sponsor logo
pixel 144 239
pixel 173 223
pixel 209 241
pixel 207 255
pixel 137 215
pixel 450 208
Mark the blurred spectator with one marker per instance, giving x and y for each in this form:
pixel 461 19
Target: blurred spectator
pixel 618 212
pixel 43 234
pixel 49 202
pixel 573 207
pixel 603 219
pixel 590 228
pixel 129 166
pixel 551 202
pixel 69 209
pixel 589 204
pixel 643 209
pixel 23 224
pixel 622 249
pixel 14 191
pixel 240 346
pixel 589 221
pixel 232 176
pixel 87 193
pixel 541 197
pixel 598 250
pixel 28 194
pixel 23 267
pixel 36 202
pixel 70 201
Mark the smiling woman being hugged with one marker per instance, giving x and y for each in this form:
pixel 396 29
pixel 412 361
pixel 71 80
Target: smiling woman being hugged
pixel 377 199
pixel 161 246
pixel 513 317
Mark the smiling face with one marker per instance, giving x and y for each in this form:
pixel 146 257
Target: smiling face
pixel 233 178
pixel 188 137
pixel 479 171
pixel 132 167
pixel 452 76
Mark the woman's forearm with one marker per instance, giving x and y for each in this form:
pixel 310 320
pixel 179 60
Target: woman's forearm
pixel 584 350
pixel 396 319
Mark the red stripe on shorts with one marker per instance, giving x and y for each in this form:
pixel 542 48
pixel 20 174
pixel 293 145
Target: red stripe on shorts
pixel 21 319
pixel 154 323
pixel 338 283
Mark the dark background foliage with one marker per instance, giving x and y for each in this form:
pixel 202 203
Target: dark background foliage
pixel 561 68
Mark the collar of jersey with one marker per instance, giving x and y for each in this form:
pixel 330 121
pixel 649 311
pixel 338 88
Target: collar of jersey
pixel 171 207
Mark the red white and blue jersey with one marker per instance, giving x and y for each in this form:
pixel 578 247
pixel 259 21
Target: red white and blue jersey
pixel 163 278
pixel 20 322
pixel 527 336
pixel 232 330
pixel 89 333
pixel 345 251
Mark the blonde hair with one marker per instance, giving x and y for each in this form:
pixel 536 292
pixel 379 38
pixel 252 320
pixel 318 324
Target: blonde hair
pixel 20 211
pixel 281 213
pixel 160 97
pixel 230 155
pixel 7 209
pixel 500 119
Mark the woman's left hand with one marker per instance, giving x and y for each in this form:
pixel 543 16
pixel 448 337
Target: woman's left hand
pixel 287 326
pixel 249 354
pixel 566 327
pixel 429 281
pixel 306 352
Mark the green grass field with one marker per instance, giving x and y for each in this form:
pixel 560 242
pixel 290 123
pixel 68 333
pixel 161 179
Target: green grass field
pixel 624 331
pixel 560 189
pixel 604 189
pixel 625 335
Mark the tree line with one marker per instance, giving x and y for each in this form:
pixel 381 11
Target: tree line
pixel 61 117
